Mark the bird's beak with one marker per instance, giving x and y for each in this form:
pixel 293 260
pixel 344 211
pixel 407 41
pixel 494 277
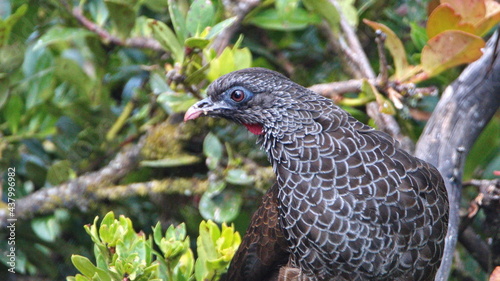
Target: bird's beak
pixel 205 106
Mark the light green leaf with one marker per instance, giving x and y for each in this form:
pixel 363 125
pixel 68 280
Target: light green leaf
pixel 178 20
pixel 201 14
pixel 72 72
pixel 418 35
pixel 174 102
pixel 13 112
pixel 239 177
pixel 98 11
pixel 230 60
pixel 179 160
pixel 223 207
pixel 7 24
pixel 60 34
pixel 212 148
pixel 196 42
pixel 60 172
pixel 216 29
pixel 163 34
pixel 272 19
pixel 326 9
pixel 47 228
pixel 84 265
pixel 122 15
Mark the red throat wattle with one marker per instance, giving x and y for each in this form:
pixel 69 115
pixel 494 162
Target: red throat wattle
pixel 255 129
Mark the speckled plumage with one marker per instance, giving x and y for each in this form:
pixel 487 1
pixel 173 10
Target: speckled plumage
pixel 350 205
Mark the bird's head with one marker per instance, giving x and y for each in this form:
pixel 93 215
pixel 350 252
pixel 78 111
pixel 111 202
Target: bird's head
pixel 258 98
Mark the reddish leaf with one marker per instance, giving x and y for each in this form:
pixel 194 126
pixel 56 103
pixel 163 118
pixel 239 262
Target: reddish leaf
pixel 449 49
pixel 490 20
pixel 471 11
pixel 444 18
pixel 495 275
pixel 431 5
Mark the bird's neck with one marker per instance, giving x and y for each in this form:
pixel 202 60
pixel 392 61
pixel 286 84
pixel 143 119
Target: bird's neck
pixel 256 129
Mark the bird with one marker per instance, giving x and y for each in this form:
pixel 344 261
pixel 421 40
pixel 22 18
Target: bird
pixel 348 202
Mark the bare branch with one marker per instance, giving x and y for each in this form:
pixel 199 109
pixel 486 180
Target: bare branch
pixel 77 192
pixel 167 186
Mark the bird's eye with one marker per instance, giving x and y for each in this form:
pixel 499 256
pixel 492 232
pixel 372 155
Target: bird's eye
pixel 237 95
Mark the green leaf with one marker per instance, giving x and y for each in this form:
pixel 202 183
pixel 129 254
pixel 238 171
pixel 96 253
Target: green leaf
pixel 238 177
pixel 47 228
pixel 122 15
pixel 273 20
pixel 230 60
pixel 201 14
pixel 98 11
pixel 107 227
pixel 174 102
pixel 326 9
pixel 178 20
pixel 60 172
pixel 349 11
pixel 60 34
pixel 38 71
pixel 7 24
pixel 159 6
pixel 485 148
pixel 223 207
pixel 418 35
pixel 157 233
pixel 213 149
pixel 13 112
pixel 196 42
pixel 85 266
pixel 385 106
pixel 215 187
pixel 72 72
pixel 216 29
pixel 163 34
pixel 179 160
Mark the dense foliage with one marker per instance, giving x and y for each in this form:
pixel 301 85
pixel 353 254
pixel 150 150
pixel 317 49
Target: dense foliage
pixel 83 81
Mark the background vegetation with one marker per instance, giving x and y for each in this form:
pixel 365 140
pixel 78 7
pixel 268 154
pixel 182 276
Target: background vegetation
pixel 92 95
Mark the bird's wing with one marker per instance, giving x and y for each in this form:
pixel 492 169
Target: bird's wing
pixel 263 249
pixel 353 202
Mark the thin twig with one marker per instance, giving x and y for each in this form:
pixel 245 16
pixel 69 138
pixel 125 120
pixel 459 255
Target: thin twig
pixel 478 249
pixel 383 76
pixel 335 89
pixel 358 54
pixel 239 8
pixel 135 42
pixel 278 56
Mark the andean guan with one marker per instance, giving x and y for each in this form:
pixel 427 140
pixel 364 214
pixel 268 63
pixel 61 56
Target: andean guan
pixel 348 204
